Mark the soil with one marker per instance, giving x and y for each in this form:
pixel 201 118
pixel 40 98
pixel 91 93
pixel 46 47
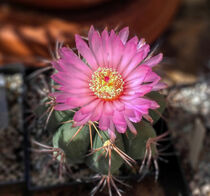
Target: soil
pixel 146 188
pixel 11 138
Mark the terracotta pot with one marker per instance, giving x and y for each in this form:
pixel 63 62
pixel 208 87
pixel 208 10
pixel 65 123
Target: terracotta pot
pixel 60 4
pixel 26 35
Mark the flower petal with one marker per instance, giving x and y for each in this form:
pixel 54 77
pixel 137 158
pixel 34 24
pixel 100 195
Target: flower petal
pixel 63 107
pixel 117 51
pixel 69 58
pixel 121 128
pixel 136 60
pixel 118 118
pixel 128 54
pixel 138 76
pixel 123 34
pixel 85 51
pixel 64 79
pixel 151 62
pixel 90 33
pixel 104 122
pixel 97 48
pixel 159 86
pixel 137 118
pixel 79 102
pixel 90 107
pixel 119 105
pixel 106 47
pixel 141 43
pixel 108 108
pixel 152 78
pixel 111 133
pixel 76 91
pixel 81 119
pixel 131 127
pixel 145 50
pixel 96 114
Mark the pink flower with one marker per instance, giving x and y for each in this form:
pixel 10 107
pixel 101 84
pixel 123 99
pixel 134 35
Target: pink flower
pixel 108 82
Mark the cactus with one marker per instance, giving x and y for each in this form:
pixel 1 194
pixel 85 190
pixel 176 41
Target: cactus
pixel 114 101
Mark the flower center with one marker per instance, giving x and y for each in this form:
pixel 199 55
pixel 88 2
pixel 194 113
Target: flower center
pixel 106 83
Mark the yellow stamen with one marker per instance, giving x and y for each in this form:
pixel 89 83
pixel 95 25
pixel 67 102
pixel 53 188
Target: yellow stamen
pixel 106 84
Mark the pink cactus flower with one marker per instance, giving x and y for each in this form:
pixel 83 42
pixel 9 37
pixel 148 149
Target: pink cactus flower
pixel 107 81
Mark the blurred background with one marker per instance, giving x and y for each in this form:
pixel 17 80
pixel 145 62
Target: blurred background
pixel 29 30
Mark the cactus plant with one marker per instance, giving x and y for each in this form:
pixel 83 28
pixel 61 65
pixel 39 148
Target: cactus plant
pixel 105 103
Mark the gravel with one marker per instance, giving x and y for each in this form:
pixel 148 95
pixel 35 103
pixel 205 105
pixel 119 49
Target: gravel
pixel 11 137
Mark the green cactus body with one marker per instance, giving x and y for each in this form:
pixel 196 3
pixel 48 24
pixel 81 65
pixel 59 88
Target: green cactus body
pixel 98 162
pixel 76 149
pixel 136 144
pixel 56 118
